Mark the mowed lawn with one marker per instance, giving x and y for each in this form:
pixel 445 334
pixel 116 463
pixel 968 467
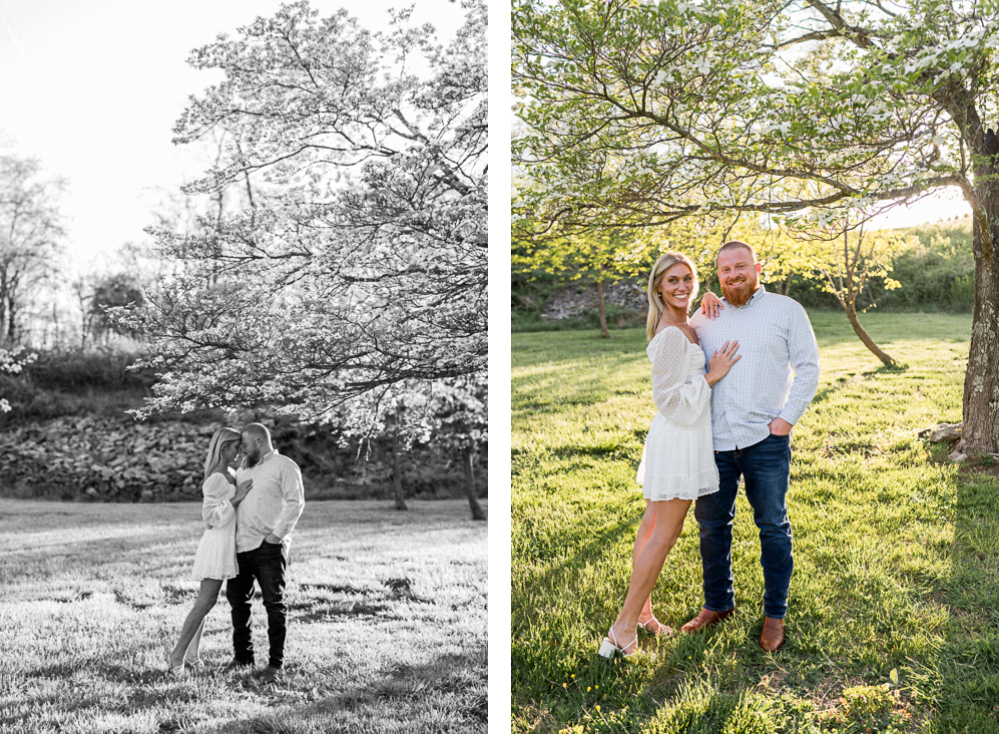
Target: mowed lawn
pixel 892 623
pixel 386 633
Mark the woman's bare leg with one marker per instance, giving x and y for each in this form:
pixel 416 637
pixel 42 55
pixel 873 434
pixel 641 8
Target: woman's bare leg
pixel 669 521
pixel 208 594
pixel 192 654
pixel 641 538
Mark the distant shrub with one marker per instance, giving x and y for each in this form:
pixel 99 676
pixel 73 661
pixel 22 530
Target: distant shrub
pixel 962 293
pixel 72 370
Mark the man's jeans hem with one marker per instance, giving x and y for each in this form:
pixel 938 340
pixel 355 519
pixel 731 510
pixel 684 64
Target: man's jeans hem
pixel 720 611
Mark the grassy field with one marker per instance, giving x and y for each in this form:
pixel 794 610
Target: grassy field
pixel 387 623
pixel 892 623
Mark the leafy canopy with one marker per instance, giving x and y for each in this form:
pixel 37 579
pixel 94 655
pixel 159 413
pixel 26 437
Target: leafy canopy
pixel 359 260
pixel 749 106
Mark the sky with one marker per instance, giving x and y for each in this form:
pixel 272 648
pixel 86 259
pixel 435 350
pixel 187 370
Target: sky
pixel 92 88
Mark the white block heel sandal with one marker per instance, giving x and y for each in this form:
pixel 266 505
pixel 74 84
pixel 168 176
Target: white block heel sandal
pixel 610 646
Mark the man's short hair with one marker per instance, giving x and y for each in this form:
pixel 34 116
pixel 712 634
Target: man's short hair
pixel 257 430
pixel 734 244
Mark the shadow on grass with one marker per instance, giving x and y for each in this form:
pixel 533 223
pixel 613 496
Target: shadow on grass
pixel 567 572
pixel 966 671
pixel 896 368
pixel 451 689
pixel 333 602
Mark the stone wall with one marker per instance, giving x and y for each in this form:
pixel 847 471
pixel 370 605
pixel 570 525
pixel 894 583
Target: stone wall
pixel 571 302
pixel 118 460
pixel 105 460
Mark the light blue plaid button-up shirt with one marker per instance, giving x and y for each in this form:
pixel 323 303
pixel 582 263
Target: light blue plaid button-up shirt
pixel 776 340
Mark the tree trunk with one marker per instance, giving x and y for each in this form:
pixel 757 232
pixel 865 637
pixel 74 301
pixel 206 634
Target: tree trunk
pixel 852 316
pixel 11 323
pixel 980 397
pixel 788 285
pixel 605 334
pixel 468 454
pixel 397 474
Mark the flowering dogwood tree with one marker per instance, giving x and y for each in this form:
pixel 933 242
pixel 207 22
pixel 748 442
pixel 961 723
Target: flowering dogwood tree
pixel 802 110
pixel 12 362
pixel 359 259
pixel 451 413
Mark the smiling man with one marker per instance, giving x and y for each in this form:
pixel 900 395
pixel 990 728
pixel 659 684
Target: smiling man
pixel 753 412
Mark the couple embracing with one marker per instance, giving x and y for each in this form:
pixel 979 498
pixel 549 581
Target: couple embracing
pixel 714 426
pixel 249 514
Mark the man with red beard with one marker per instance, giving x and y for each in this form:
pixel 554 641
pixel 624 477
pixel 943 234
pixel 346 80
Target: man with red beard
pixel 753 411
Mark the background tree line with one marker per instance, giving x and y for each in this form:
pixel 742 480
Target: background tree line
pixel 934 270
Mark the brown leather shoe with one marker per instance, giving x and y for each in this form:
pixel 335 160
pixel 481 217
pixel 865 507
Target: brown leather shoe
pixel 772 637
pixel 705 619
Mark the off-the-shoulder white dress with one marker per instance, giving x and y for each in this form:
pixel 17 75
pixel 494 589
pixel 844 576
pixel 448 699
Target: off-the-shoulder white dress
pixel 216 554
pixel 678 461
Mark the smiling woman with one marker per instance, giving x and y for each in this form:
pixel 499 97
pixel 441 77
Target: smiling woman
pixel 677 460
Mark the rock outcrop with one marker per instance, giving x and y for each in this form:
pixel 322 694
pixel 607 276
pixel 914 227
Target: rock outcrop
pixel 569 303
pixel 104 460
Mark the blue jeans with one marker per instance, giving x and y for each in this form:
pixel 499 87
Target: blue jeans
pixel 265 565
pixel 764 467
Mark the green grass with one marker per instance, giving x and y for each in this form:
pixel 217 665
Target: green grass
pixel 386 633
pixel 895 551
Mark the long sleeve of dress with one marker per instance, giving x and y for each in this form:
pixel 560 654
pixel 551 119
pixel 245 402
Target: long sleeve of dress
pixel 679 396
pixel 216 509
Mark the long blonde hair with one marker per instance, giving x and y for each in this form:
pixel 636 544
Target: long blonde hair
pixel 667 260
pixel 219 439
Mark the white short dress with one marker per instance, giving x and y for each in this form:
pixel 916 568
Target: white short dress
pixel 678 461
pixel 216 554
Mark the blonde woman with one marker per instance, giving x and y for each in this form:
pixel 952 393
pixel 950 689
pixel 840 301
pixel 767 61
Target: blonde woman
pixel 215 559
pixel 678 463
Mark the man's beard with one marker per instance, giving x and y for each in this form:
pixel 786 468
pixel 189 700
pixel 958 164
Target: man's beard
pixel 253 459
pixel 740 295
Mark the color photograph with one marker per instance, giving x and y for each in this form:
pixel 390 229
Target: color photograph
pixel 754 360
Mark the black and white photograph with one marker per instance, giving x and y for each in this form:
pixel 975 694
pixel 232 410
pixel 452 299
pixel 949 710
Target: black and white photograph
pixel 243 366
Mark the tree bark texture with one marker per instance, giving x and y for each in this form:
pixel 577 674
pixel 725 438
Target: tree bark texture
pixel 605 334
pixel 980 397
pixel 468 455
pixel 397 475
